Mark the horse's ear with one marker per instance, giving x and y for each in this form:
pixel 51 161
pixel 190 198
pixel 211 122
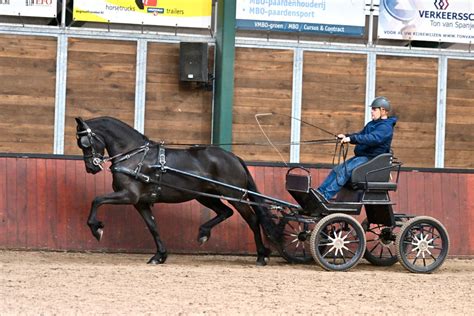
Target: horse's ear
pixel 79 121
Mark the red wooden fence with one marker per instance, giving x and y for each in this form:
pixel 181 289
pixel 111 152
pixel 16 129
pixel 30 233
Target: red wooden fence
pixel 44 204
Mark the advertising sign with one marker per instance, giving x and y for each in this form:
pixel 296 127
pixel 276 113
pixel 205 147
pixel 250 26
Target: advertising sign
pixel 38 8
pixel 427 20
pixel 337 17
pixel 182 13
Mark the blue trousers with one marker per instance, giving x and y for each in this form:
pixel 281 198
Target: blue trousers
pixel 339 176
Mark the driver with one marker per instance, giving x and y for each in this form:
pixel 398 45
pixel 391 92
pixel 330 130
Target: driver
pixel 373 140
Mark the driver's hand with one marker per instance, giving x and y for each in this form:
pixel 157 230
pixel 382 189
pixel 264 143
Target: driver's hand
pixel 344 138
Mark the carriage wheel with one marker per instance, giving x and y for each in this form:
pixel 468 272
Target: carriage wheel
pixel 338 242
pixel 422 244
pixel 294 244
pixel 380 240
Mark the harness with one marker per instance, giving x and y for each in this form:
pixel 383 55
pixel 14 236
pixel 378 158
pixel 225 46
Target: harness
pixel 140 176
pixel 87 138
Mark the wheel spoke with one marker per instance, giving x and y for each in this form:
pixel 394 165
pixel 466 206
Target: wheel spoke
pixel 373 229
pixel 352 241
pixel 327 252
pixel 390 252
pixel 343 257
pixel 329 244
pixel 372 240
pixel 350 251
pixel 373 248
pixel 347 233
pixel 323 233
pixel 292 227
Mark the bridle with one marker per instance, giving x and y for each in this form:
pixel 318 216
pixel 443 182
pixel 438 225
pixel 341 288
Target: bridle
pixel 87 139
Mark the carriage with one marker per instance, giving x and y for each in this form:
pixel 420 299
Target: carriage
pixel 337 241
pixel 146 172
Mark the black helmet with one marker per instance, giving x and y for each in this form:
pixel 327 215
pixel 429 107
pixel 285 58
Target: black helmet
pixel 381 102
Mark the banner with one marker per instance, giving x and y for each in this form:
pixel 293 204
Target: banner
pixel 336 17
pixel 182 13
pixel 427 20
pixel 38 8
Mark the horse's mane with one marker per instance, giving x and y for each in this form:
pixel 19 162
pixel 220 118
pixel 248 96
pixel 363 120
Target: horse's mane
pixel 120 124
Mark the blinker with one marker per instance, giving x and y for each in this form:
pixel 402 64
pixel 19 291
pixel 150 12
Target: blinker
pixel 85 142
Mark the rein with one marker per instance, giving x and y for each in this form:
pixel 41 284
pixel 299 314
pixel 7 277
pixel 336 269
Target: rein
pixel 313 141
pixel 87 138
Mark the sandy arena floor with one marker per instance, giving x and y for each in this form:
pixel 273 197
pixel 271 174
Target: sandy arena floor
pixel 34 283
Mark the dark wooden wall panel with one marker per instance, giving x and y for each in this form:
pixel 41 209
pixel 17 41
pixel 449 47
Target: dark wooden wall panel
pixel 263 84
pixel 411 85
pixel 459 137
pixel 100 82
pixel 469 215
pixel 27 93
pixel 3 203
pixel 333 99
pixel 44 204
pixel 176 112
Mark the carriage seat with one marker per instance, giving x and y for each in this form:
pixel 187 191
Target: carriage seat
pixel 374 175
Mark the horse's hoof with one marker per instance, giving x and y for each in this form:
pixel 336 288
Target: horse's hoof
pixel 100 232
pixel 153 261
pixel 203 239
pixel 203 235
pixel 158 259
pixel 96 229
pixel 262 261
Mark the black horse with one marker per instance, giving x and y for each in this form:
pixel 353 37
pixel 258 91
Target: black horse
pixel 140 178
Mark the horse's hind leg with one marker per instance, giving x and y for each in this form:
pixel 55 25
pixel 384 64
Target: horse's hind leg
pixel 263 253
pixel 161 253
pixel 223 212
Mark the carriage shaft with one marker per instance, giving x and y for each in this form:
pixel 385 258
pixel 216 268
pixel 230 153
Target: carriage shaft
pixel 243 191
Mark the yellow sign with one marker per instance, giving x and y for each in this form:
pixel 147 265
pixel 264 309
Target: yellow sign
pixel 182 13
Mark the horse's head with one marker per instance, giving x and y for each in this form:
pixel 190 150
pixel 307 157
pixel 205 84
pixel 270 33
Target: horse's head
pixel 92 145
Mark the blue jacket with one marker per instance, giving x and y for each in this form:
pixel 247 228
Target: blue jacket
pixel 375 138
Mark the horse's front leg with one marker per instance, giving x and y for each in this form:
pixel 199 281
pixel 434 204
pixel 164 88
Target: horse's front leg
pixel 145 211
pixel 120 197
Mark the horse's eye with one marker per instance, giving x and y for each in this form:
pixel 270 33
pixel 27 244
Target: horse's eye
pixel 85 142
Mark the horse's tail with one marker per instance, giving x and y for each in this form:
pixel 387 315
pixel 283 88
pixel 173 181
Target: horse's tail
pixel 263 214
